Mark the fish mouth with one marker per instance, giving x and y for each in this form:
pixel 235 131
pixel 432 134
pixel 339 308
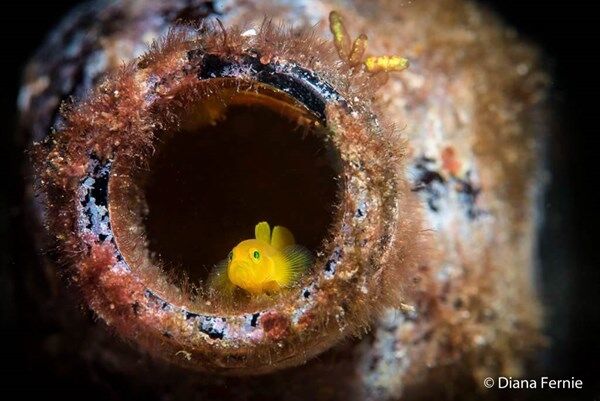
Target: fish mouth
pixel 237 265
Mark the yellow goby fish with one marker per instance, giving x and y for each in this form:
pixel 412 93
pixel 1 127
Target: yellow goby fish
pixel 266 264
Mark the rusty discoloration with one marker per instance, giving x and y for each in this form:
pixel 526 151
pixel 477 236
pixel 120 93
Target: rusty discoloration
pixel 450 162
pixel 276 326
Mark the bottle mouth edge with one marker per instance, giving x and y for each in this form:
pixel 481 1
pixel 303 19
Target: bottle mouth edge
pixel 350 285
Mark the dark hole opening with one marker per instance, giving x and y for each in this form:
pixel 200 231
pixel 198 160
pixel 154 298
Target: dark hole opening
pixel 210 184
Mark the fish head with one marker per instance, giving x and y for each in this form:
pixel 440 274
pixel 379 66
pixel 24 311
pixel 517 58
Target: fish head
pixel 250 264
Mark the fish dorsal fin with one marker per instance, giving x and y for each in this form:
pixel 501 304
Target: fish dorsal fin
pixel 281 238
pixel 296 259
pixel 262 232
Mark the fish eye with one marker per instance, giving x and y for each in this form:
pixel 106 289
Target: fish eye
pixel 256 255
pixel 230 256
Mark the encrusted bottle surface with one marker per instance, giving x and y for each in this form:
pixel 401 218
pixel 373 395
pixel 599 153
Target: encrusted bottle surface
pixel 423 230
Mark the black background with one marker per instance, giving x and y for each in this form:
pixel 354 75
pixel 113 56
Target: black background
pixel 569 34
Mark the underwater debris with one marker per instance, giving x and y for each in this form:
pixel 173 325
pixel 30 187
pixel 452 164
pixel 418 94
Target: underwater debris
pixel 138 142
